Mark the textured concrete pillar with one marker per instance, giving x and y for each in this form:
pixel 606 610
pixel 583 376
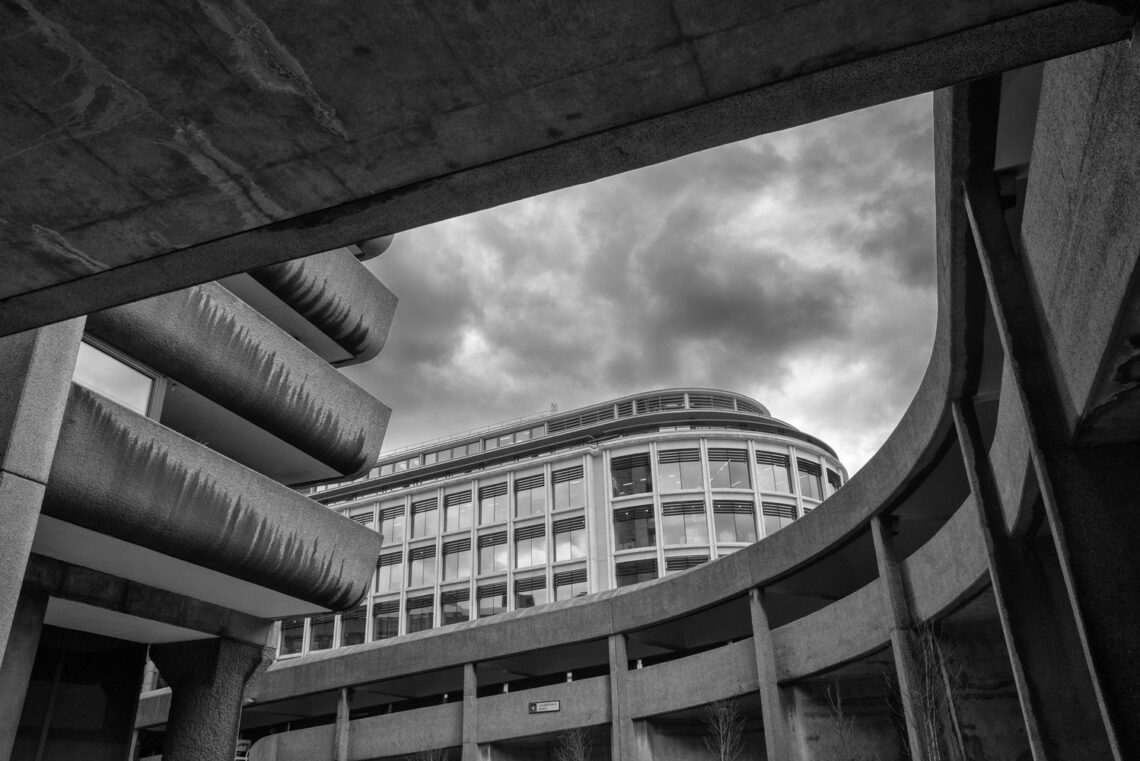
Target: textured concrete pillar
pixel 340 734
pixel 35 375
pixel 16 669
pixel 915 682
pixel 1088 498
pixel 775 701
pixel 207 678
pixel 470 714
pixel 622 739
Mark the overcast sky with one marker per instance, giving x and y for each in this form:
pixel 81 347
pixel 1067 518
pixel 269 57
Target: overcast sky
pixel 796 268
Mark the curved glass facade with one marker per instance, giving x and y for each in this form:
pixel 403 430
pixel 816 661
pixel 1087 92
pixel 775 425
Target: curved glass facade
pixel 699 476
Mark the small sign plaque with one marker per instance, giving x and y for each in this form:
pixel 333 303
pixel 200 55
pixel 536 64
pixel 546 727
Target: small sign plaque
pixel 546 706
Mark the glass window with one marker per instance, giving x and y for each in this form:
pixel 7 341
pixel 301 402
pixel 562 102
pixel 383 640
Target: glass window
pixel 530 593
pixel 728 469
pixel 111 377
pixel 493 553
pixel 392 523
pixel 630 475
pixel 455 606
pixel 321 631
pixel 457 560
pixel 636 571
pixel 530 546
pixel 420 613
pixel 494 506
pixel 292 636
pixel 684 523
pixel 680 469
pixel 772 472
pixel 352 626
pixel 833 482
pixel 634 527
pixel 570 584
pixel 683 563
pixel 492 599
pixel 457 511
pixel 386 619
pixel 421 565
pixel 425 518
pixel 570 539
pixel 569 488
pixel 390 573
pixel 810 486
pixel 777 517
pixel 530 495
pixel 734 521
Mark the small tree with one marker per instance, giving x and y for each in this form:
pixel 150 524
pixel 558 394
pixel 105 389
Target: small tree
pixel 725 727
pixel 574 745
pixel 847 744
pixel 434 754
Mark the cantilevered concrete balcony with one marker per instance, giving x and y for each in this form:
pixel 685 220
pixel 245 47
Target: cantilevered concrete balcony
pixel 129 497
pixel 243 385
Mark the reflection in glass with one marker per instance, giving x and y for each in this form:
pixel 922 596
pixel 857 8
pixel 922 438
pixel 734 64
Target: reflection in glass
pixel 110 377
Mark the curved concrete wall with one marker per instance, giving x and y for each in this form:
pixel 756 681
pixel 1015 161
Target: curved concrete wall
pixel 121 474
pixel 211 341
pixel 337 294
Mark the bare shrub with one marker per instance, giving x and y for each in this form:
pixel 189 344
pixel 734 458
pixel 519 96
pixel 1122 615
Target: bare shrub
pixel 725 726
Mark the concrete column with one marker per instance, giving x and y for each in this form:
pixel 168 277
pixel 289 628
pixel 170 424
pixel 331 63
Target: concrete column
pixel 622 740
pixel 775 701
pixel 207 678
pixel 340 733
pixel 470 714
pixel 1088 498
pixel 16 669
pixel 35 376
pixel 914 680
pixel 1058 702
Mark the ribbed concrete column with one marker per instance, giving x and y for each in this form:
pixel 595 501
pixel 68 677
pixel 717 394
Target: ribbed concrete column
pixel 340 734
pixel 35 376
pixel 775 701
pixel 470 714
pixel 909 671
pixel 16 669
pixel 206 678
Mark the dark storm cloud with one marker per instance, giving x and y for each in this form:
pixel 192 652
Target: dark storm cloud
pixel 796 267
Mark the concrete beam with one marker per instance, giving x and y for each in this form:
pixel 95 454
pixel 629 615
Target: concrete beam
pixel 230 196
pixel 78 584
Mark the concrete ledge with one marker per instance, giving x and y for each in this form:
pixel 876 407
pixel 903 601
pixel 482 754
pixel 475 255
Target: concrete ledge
pixel 840 633
pixel 213 342
pixel 337 294
pixel 121 474
pixel 722 672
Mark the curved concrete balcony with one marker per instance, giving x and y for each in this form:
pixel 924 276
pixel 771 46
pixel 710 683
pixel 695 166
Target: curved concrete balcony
pixel 334 293
pixel 218 349
pixel 129 497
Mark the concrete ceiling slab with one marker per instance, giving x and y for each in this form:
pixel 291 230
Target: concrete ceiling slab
pixel 155 147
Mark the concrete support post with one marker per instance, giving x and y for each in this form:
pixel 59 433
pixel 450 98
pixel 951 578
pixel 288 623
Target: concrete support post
pixel 16 669
pixel 340 733
pixel 1057 698
pixel 622 740
pixel 35 376
pixel 776 702
pixel 207 678
pixel 1088 495
pixel 470 714
pixel 904 646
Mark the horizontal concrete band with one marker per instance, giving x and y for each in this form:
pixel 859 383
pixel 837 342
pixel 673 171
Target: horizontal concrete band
pixel 120 474
pixel 338 295
pixel 211 341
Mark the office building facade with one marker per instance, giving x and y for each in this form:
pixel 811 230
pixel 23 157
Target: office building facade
pixel 553 507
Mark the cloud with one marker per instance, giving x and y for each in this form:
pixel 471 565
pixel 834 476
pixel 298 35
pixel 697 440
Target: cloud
pixel 796 267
